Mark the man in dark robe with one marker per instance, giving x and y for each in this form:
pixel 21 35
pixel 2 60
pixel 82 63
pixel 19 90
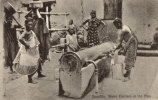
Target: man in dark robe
pixel 42 33
pixel 10 41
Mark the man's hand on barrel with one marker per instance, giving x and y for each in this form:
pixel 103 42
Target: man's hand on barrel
pixel 111 54
pixel 27 47
pixel 121 51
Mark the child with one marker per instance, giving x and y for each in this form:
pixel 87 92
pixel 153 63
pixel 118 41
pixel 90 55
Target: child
pixel 28 55
pixel 71 39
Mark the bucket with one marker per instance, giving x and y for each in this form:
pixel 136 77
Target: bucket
pixel 117 71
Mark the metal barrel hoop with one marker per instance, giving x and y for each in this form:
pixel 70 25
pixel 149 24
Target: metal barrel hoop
pixel 63 63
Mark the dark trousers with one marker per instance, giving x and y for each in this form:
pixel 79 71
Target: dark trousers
pixel 10 54
pixel 128 69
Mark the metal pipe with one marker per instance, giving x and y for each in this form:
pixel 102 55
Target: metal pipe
pixel 66 22
pixel 45 13
pixel 55 29
pixel 96 75
pixel 59 45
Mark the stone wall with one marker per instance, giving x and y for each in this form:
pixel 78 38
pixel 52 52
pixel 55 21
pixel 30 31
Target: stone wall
pixel 139 15
pixel 142 17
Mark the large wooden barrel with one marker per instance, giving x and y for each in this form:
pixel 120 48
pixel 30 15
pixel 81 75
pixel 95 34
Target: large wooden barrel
pixel 76 77
pixel 92 53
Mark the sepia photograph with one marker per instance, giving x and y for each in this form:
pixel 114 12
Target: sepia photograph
pixel 79 50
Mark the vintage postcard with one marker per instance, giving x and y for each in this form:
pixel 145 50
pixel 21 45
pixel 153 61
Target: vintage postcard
pixel 79 50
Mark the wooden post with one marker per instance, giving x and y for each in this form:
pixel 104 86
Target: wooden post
pixel 47 20
pixel 96 76
pixel 116 8
pixel 45 13
pixel 82 10
pixel 66 22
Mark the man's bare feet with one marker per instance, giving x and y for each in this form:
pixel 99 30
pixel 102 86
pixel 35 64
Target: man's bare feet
pixel 126 79
pixel 41 75
pixel 12 72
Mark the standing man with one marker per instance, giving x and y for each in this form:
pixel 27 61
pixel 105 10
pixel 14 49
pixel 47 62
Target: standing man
pixel 10 40
pixel 130 48
pixel 93 24
pixel 42 33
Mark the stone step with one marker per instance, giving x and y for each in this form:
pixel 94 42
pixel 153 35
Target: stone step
pixel 147 52
pixel 144 47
